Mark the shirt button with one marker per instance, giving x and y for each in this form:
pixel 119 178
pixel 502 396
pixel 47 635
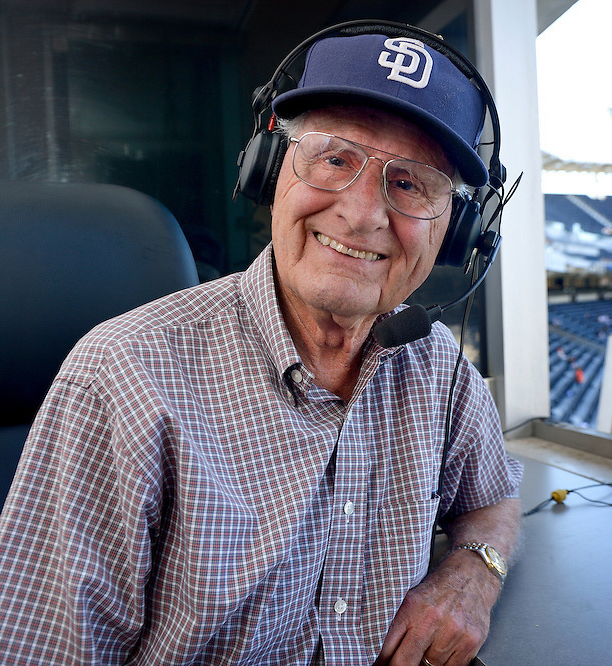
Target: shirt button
pixel 340 606
pixel 349 508
pixel 297 376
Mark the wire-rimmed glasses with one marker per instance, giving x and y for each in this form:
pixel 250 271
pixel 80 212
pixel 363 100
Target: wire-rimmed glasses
pixel 331 163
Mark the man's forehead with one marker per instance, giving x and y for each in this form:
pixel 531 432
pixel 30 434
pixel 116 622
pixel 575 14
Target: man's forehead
pixel 380 123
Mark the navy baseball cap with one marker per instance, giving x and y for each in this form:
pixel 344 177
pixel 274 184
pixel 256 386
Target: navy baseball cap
pixel 401 75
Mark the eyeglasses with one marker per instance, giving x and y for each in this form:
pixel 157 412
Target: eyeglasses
pixel 330 163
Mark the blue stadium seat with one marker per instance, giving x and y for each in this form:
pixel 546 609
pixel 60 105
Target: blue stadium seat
pixel 72 255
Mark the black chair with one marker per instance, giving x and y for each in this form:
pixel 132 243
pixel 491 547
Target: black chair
pixel 71 256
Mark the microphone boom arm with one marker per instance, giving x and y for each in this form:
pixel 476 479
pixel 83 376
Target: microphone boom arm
pixel 415 322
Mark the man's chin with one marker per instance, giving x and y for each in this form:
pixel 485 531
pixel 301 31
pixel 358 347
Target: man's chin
pixel 347 306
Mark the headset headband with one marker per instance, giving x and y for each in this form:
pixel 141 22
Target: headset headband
pixel 264 96
pixel 261 160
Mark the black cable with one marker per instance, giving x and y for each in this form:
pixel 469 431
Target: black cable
pixel 560 495
pixel 593 501
pixel 537 508
pixel 449 413
pixel 475 281
pixel 523 424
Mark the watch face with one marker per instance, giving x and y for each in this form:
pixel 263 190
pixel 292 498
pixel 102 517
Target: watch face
pixel 496 559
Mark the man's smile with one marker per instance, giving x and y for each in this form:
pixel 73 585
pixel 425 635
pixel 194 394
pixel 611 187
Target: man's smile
pixel 343 249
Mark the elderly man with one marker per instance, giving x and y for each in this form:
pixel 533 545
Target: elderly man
pixel 239 473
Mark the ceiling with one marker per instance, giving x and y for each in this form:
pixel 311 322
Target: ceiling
pixel 239 15
pixel 235 14
pixel 550 10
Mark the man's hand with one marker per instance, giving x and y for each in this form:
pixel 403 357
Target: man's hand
pixel 445 619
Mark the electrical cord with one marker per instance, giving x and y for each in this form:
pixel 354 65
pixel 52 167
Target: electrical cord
pixel 448 419
pixel 476 280
pixel 523 424
pixel 560 494
pixel 503 199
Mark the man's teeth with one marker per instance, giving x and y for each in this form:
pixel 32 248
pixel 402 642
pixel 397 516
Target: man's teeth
pixel 368 256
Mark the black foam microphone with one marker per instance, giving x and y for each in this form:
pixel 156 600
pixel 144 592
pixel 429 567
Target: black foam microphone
pixel 406 326
pixel 415 322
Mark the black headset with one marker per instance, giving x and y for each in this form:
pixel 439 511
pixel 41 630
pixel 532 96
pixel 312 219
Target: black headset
pixel 260 162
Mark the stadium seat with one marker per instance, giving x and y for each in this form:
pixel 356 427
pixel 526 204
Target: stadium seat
pixel 72 255
pixel 577 340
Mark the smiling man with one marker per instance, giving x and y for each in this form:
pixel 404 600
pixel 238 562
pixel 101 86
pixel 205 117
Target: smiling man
pixel 344 257
pixel 239 473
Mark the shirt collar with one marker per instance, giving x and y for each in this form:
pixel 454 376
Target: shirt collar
pixel 259 294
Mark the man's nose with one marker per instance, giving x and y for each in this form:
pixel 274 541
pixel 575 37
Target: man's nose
pixel 364 201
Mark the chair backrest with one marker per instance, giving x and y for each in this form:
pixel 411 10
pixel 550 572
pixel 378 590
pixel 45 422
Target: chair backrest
pixel 71 256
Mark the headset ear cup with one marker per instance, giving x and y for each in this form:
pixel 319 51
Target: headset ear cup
pixel 464 230
pixel 259 166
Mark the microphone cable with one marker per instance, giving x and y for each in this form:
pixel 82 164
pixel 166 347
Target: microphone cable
pixel 468 296
pixel 415 322
pixel 560 494
pixel 449 412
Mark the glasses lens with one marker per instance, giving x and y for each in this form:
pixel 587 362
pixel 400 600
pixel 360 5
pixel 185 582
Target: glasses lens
pixel 417 190
pixel 330 163
pixel 327 162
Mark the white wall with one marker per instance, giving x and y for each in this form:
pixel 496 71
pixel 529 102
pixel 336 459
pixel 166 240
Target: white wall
pixel 517 326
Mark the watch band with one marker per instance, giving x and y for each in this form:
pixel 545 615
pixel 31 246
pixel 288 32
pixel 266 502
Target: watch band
pixel 491 557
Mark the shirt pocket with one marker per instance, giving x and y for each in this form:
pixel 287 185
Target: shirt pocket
pixel 407 531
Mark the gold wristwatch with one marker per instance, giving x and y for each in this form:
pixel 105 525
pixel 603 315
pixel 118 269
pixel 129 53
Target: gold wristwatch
pixel 492 557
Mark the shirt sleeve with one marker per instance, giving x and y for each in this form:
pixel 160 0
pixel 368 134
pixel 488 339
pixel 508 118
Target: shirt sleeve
pixel 478 471
pixel 75 548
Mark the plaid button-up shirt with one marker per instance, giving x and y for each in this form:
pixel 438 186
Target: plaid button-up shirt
pixel 188 495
